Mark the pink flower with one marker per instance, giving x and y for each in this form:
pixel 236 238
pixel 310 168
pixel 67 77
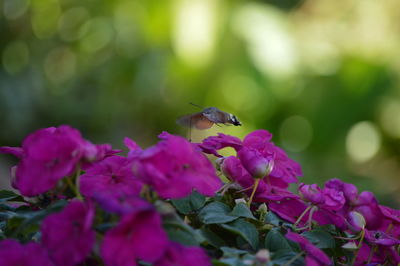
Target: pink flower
pixel 174 167
pixel 138 235
pixel 178 255
pixel 257 154
pixel 49 154
pixel 31 254
pixel 67 235
pixel 111 176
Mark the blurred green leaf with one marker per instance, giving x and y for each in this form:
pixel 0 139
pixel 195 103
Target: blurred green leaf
pixel 320 239
pixel 241 210
pixel 7 195
pixel 190 203
pixel 245 229
pixel 215 213
pixel 275 241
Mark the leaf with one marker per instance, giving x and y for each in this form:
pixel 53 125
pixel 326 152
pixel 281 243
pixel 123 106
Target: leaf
pixel 228 262
pixel 272 218
pixel 7 195
pixel 281 257
pixel 216 213
pixel 189 204
pixel 241 210
pixel 320 239
pixel 230 252
pixel 275 241
pixel 212 238
pixel 180 232
pixel 245 229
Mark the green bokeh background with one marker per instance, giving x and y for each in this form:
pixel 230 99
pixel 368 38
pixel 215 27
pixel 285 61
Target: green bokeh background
pixel 321 75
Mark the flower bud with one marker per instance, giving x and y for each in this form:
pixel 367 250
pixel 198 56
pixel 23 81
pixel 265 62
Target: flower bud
pixel 255 163
pixel 263 256
pixel 356 221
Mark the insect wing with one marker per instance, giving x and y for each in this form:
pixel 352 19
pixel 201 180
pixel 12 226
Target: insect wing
pixel 197 120
pixel 217 116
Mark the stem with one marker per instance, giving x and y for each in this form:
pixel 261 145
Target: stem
pixel 253 192
pixel 77 189
pixel 302 215
pixel 371 254
pixel 313 209
pixel 294 258
pixel 358 246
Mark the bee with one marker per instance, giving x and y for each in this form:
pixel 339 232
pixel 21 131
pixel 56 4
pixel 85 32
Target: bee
pixel 207 118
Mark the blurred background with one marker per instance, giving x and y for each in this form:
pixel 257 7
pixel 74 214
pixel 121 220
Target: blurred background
pixel 323 76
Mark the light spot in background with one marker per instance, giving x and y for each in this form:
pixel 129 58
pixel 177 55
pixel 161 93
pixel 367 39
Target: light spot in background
pixel 194 30
pixel 70 24
pixel 60 64
pixel 295 133
pixel 13 9
pixel 99 35
pixel 363 141
pixel 389 117
pixel 269 41
pixel 15 57
pixel 45 14
pixel 240 92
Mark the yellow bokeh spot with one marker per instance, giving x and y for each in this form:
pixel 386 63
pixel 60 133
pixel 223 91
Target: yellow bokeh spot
pixel 296 133
pixel 363 141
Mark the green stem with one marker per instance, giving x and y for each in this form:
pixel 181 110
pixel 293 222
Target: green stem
pixel 358 246
pixel 302 215
pixel 253 192
pixel 77 188
pixel 294 259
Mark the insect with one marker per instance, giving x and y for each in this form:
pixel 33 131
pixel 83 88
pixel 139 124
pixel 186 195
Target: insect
pixel 207 118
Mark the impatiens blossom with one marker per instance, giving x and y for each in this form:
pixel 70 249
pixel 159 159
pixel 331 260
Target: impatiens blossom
pixel 314 256
pixel 258 153
pixel 326 198
pixel 112 176
pixel 68 235
pixel 138 235
pixel 50 154
pixel 178 255
pixel 120 204
pixel 31 254
pixel 174 167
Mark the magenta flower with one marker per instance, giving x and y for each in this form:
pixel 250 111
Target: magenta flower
pixel 49 154
pixel 31 254
pixel 67 235
pixel 111 176
pixel 121 204
pixel 178 255
pixel 212 144
pixel 134 149
pixel 257 153
pixel 138 235
pixel 314 256
pixel 311 193
pixel 255 163
pixel 174 167
pixel 368 206
pixel 350 191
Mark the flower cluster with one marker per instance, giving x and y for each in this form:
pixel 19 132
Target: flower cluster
pixel 166 205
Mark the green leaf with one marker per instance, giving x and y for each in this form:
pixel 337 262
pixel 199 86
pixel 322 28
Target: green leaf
pixel 228 262
pixel 189 204
pixel 321 239
pixel 180 236
pixel 7 195
pixel 212 238
pixel 281 257
pixel 241 210
pixel 231 252
pixel 215 213
pixel 244 229
pixel 180 232
pixel 276 241
pixel 272 218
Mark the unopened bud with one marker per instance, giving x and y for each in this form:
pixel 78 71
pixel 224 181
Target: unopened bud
pixel 241 200
pixel 263 256
pixel 356 221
